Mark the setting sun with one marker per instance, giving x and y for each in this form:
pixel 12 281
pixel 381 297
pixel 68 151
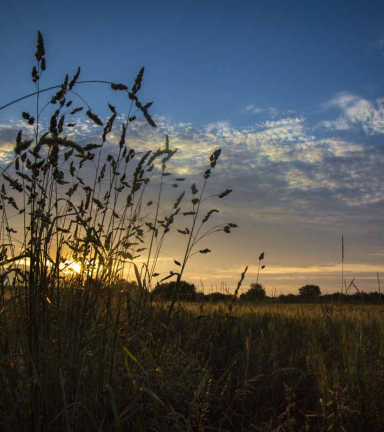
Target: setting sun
pixel 71 267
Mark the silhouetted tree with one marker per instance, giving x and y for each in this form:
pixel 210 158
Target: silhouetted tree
pixel 199 296
pixel 217 297
pixel 256 292
pixel 310 292
pixel 187 291
pixel 127 285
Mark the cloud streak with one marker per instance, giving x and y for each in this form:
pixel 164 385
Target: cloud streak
pixel 287 156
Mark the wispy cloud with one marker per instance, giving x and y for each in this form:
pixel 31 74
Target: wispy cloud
pixel 279 158
pixel 271 112
pixel 356 112
pixel 379 45
pixel 255 109
pixel 284 167
pixel 274 270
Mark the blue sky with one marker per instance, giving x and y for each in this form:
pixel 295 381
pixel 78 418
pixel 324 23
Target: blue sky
pixel 205 61
pixel 293 92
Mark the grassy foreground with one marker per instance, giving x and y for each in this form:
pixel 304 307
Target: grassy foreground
pixel 273 367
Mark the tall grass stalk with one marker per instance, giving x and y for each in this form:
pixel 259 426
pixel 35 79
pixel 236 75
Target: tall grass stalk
pixel 67 204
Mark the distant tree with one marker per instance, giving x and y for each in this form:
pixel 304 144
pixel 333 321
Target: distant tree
pixel 289 298
pixel 199 296
pixel 256 292
pixel 217 297
pixel 310 292
pixel 187 291
pixel 130 288
pixel 127 285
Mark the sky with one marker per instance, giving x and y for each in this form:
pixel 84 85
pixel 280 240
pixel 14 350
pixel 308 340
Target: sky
pixel 292 92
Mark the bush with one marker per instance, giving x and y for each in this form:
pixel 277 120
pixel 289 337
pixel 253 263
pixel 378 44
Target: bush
pixel 256 292
pixel 186 291
pixel 217 297
pixel 310 292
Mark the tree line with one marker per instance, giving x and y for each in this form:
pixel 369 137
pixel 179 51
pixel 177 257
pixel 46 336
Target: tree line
pixel 257 293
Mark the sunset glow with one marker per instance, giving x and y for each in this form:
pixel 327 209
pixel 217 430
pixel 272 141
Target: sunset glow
pixel 72 267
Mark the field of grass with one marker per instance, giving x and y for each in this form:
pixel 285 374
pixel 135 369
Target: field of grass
pixel 273 367
pixel 86 351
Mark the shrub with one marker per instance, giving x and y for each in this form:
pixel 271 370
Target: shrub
pixel 186 291
pixel 256 292
pixel 310 292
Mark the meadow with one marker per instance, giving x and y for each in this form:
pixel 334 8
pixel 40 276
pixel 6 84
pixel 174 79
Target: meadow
pixel 82 348
pixel 258 367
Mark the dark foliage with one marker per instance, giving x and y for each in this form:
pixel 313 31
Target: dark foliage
pixel 186 290
pixel 217 297
pixel 256 292
pixel 310 291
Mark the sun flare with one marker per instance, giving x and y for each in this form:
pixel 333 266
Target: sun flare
pixel 71 267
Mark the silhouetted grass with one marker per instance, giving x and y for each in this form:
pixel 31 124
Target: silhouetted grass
pixel 86 351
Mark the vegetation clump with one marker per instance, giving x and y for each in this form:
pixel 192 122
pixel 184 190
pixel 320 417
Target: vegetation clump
pixel 186 291
pixel 256 292
pixel 310 292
